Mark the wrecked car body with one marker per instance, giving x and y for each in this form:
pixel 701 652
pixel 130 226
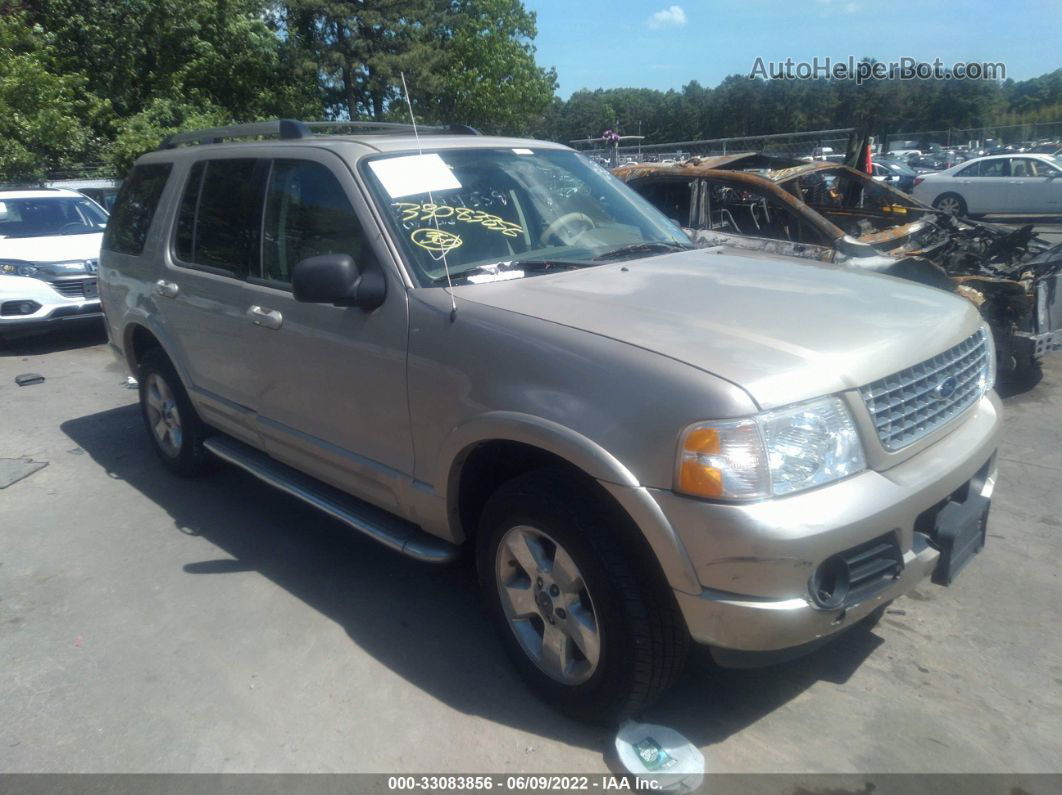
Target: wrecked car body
pixel 831 213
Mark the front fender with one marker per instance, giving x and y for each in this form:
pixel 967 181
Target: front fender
pixel 589 457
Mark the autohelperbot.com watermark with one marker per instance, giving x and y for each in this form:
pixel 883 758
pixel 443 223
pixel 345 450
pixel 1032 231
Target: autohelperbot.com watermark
pixel 861 71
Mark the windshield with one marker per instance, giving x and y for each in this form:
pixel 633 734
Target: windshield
pixel 479 208
pixel 49 216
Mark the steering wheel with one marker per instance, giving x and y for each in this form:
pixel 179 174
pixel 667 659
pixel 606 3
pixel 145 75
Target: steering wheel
pixel 72 225
pixel 553 230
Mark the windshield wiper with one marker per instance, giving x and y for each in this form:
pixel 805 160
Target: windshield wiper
pixel 500 269
pixel 645 247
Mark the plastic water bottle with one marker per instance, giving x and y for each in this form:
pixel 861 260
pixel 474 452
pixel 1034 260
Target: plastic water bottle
pixel 660 755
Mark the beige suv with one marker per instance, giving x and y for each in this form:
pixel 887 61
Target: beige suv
pixel 456 341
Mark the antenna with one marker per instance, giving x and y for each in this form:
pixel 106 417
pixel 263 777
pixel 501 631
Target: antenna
pixel 446 265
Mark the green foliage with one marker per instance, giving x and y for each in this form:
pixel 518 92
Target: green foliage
pixel 92 80
pixel 158 66
pixel 359 49
pixel 740 107
pixel 469 61
pixel 44 114
pixel 489 77
pixel 145 130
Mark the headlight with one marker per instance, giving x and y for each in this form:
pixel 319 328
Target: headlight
pixel 987 379
pixel 771 454
pixel 18 268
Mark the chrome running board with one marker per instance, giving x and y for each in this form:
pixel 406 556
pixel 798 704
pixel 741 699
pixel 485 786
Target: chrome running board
pixel 376 523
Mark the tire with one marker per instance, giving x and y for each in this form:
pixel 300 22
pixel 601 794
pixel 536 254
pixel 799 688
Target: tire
pixel 590 576
pixel 951 203
pixel 175 430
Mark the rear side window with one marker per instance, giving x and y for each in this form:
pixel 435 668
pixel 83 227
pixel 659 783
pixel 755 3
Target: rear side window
pixel 137 201
pixel 217 224
pixel 307 214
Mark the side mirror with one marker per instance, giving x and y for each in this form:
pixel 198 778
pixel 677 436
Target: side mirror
pixel 336 279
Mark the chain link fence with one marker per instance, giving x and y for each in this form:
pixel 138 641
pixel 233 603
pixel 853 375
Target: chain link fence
pixel 795 144
pixel 818 143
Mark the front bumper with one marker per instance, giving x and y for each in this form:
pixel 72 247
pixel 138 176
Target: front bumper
pixel 52 307
pixel 755 561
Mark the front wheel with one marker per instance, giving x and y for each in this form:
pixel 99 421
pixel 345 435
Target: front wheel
pixel 589 623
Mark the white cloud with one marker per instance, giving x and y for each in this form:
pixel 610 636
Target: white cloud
pixel 670 17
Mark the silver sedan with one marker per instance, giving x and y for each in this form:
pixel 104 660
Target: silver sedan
pixel 1015 184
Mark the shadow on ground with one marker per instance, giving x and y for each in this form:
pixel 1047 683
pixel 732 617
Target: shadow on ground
pixel 423 622
pixel 83 334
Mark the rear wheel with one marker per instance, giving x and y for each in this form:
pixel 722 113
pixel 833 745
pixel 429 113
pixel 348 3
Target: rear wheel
pixel 951 203
pixel 591 626
pixel 175 429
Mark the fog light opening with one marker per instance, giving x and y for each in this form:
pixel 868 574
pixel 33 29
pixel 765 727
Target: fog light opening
pixel 15 308
pixel 829 583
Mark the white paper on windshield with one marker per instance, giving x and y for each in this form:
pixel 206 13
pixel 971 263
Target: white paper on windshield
pixel 500 276
pixel 523 151
pixel 410 174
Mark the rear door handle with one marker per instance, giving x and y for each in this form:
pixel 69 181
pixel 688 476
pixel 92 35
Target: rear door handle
pixel 266 318
pixel 166 289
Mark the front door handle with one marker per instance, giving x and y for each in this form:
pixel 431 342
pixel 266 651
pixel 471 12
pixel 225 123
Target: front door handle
pixel 266 318
pixel 166 289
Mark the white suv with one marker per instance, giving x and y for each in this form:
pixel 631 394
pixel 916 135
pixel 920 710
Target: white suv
pixel 49 255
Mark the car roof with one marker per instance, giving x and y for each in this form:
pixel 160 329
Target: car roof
pixel 1009 155
pixel 352 145
pixel 38 193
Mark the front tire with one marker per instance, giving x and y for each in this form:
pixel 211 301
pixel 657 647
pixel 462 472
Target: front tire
pixel 176 432
pixel 584 613
pixel 951 203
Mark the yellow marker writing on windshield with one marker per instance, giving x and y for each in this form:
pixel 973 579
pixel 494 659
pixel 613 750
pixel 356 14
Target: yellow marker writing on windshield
pixel 435 240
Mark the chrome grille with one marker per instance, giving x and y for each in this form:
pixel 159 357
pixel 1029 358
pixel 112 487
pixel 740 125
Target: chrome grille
pixel 75 288
pixel 909 405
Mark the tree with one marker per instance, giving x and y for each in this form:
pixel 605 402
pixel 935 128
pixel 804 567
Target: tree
pixel 489 77
pixel 158 66
pixel 358 49
pixel 44 114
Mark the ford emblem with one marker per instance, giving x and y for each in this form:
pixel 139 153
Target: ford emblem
pixel 945 389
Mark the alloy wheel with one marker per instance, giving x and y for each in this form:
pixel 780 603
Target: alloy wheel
pixel 547 604
pixel 163 415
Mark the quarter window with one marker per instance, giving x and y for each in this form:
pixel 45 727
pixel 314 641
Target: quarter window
pixel 135 207
pixel 306 214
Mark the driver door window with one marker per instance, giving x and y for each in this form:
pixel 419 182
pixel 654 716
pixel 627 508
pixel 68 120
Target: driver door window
pixel 307 214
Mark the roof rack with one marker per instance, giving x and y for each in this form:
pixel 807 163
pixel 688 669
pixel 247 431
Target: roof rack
pixel 288 129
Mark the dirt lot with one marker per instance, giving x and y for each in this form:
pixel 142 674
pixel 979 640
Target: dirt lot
pixel 149 623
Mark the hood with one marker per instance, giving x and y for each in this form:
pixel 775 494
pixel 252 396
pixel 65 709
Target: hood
pixel 53 248
pixel 783 329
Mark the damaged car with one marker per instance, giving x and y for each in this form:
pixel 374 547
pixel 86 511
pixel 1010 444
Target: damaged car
pixel 832 213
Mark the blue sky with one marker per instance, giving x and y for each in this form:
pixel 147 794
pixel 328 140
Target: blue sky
pixel 666 43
